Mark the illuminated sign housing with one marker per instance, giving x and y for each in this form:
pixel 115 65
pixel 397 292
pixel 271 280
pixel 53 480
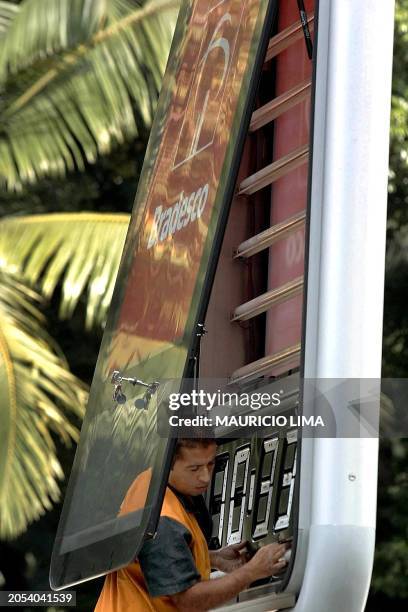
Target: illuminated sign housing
pixel 164 280
pixel 260 486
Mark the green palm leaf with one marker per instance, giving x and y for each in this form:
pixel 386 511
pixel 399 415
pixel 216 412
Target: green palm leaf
pixel 82 250
pixel 7 14
pixel 39 397
pixel 76 77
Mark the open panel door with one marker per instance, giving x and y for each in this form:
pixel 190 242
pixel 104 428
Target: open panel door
pixel 163 284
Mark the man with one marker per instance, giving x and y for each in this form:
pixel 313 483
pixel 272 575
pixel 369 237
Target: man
pixel 172 570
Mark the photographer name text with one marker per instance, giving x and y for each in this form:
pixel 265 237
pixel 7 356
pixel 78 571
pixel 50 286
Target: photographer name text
pixel 247 420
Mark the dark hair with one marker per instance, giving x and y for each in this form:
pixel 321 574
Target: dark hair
pixel 191 443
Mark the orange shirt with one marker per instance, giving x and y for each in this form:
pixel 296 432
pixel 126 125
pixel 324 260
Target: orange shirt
pixel 126 590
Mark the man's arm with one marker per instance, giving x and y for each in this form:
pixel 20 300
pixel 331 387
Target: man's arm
pixel 229 558
pixel 208 594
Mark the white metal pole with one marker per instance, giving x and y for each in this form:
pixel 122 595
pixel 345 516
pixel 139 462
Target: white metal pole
pixel 345 295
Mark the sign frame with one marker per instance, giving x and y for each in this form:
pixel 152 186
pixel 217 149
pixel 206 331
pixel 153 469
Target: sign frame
pixel 67 568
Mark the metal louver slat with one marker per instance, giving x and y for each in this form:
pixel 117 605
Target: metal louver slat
pixel 274 171
pixel 273 109
pixel 265 301
pixel 265 239
pixel 263 365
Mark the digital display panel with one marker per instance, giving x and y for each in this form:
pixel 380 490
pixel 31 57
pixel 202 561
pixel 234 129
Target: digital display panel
pixel 218 483
pixel 239 482
pixel 262 507
pixel 290 456
pixel 236 515
pixel 216 524
pixel 267 465
pixel 283 501
pixel 121 466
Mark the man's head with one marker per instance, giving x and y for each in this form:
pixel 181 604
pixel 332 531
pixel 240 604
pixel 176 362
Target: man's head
pixel 193 465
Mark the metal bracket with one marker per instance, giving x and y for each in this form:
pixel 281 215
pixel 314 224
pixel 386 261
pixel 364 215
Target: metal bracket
pixel 201 330
pixel 119 397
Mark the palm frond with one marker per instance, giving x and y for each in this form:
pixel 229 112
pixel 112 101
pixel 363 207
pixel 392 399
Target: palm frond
pixel 8 12
pixel 39 397
pixel 76 77
pixel 82 250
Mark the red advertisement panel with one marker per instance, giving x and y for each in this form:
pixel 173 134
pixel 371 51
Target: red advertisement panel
pixel 179 205
pixel 289 193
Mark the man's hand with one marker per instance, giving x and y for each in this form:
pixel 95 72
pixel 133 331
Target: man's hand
pixel 208 594
pixel 229 558
pixel 267 560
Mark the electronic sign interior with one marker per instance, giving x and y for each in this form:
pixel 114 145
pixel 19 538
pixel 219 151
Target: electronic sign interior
pixel 162 289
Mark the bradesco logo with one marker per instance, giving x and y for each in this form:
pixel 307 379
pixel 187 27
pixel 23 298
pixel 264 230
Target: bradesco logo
pixel 186 210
